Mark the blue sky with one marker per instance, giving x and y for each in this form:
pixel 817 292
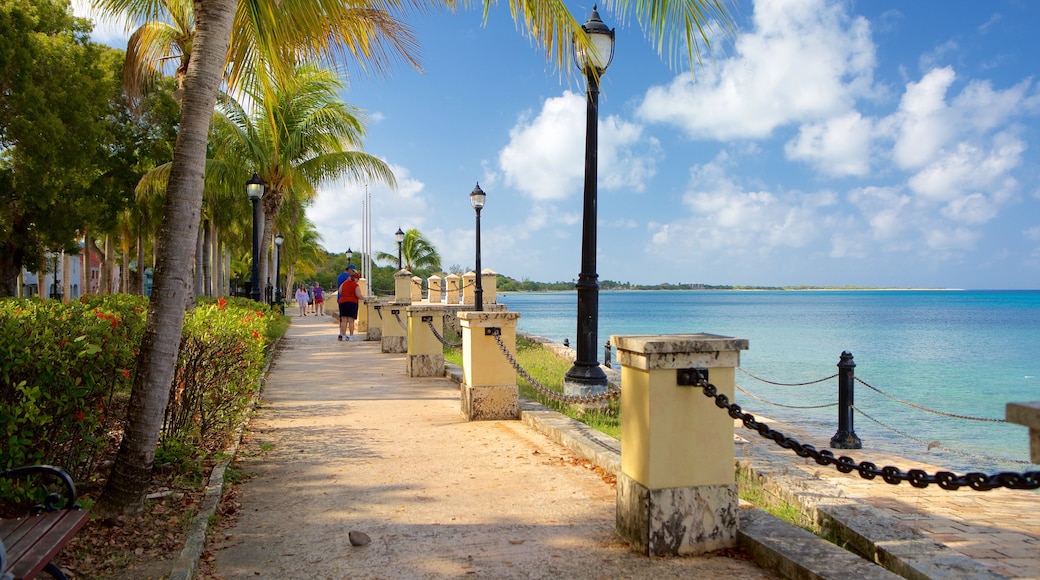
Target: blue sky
pixel 871 143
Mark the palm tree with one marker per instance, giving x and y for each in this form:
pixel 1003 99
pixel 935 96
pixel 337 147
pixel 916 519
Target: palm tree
pixel 297 137
pixel 416 253
pixel 302 29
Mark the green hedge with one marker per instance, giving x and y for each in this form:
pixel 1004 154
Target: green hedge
pixel 64 369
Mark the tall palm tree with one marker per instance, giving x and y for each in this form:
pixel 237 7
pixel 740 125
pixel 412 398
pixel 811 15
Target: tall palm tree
pixel 303 29
pixel 297 137
pixel 416 253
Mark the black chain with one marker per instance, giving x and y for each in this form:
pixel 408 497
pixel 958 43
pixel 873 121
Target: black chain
pixel 867 470
pixel 579 399
pixel 441 338
pixel 926 409
pixel 399 321
pixel 787 384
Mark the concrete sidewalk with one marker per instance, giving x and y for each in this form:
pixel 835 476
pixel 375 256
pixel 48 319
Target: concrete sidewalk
pixel 345 441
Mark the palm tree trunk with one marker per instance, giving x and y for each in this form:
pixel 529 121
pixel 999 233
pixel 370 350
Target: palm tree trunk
pixel 140 263
pixel 200 259
pixel 128 482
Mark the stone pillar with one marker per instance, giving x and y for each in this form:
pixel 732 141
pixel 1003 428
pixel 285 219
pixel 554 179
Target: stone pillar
pixel 488 390
pixel 676 493
pixel 453 288
pixel 434 296
pixel 489 285
pixel 469 285
pixel 395 327
pixel 403 287
pixel 425 352
pixel 416 291
pixel 375 310
pixel 361 324
pixel 1027 414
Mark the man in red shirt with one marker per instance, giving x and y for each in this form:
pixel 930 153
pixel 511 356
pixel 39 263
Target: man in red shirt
pixel 349 297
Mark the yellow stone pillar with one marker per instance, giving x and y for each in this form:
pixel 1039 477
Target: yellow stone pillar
pixel 489 285
pixel 1027 414
pixel 403 287
pixel 425 351
pixel 469 286
pixel 453 288
pixel 395 327
pixel 434 295
pixel 488 390
pixel 374 310
pixel 361 324
pixel 676 493
pixel 416 291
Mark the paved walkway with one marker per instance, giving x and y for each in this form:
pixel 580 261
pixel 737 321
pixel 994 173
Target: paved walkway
pixel 345 441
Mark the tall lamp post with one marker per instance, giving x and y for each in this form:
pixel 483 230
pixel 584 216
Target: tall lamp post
pixel 255 189
pixel 476 199
pixel 400 240
pixel 350 254
pixel 279 239
pixel 586 373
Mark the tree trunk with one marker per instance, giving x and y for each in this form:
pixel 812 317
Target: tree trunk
pixel 207 258
pixel 200 262
pixel 128 482
pixel 140 264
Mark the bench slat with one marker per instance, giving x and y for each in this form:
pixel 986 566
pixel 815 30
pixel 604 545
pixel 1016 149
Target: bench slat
pixel 33 541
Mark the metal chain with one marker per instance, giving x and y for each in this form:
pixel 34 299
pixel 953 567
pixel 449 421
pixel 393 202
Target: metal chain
pixel 936 445
pixel 379 311
pixel 441 338
pixel 787 384
pixel 399 321
pixel 757 398
pixel 925 409
pixel 867 470
pixel 579 399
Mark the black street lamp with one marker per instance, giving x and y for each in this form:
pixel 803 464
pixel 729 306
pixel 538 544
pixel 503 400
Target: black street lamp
pixel 350 254
pixel 400 240
pixel 279 239
pixel 586 371
pixel 55 289
pixel 255 189
pixel 476 199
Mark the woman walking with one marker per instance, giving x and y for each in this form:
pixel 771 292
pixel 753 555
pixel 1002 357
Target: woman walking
pixel 301 300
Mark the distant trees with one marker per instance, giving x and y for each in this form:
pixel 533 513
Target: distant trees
pixel 418 255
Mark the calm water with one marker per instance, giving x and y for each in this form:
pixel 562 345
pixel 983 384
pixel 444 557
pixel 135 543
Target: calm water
pixel 960 352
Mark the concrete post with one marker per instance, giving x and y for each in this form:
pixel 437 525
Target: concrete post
pixel 403 287
pixel 434 296
pixel 489 390
pixel 416 291
pixel 375 310
pixel 1027 414
pixel 489 285
pixel 395 327
pixel 453 288
pixel 361 324
pixel 425 352
pixel 469 286
pixel 676 493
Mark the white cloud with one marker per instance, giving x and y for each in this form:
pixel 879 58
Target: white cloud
pixel 109 31
pixel 545 156
pixel 804 62
pixel 838 146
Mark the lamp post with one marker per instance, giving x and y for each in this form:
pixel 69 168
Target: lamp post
pixel 255 190
pixel 476 199
pixel 400 239
pixel 55 289
pixel 350 254
pixel 279 239
pixel 586 373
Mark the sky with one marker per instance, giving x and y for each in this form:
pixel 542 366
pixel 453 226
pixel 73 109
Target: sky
pixel 826 143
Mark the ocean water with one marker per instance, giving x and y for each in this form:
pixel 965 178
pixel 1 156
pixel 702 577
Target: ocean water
pixel 964 353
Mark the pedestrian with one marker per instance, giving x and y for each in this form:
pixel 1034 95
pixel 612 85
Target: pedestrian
pixel 310 299
pixel 319 299
pixel 348 298
pixel 345 274
pixel 301 300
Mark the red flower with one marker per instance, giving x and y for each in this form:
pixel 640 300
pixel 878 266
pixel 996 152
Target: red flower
pixel 79 416
pixel 222 304
pixel 126 373
pixel 256 334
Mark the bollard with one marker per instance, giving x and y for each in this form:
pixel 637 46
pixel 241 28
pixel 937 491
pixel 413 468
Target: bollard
pixel 469 287
pixel 845 437
pixel 425 352
pixel 403 287
pixel 395 334
pixel 489 285
pixel 361 324
pixel 1027 414
pixel 676 492
pixel 433 295
pixel 488 390
pixel 416 295
pixel 452 280
pixel 606 355
pixel 374 308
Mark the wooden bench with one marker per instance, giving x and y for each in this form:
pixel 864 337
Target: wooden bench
pixel 31 541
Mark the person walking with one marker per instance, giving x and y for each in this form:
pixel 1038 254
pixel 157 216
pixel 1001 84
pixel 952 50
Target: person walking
pixel 319 299
pixel 301 300
pixel 349 297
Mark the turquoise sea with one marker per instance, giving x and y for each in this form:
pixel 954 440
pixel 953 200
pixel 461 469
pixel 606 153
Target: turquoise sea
pixel 959 352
